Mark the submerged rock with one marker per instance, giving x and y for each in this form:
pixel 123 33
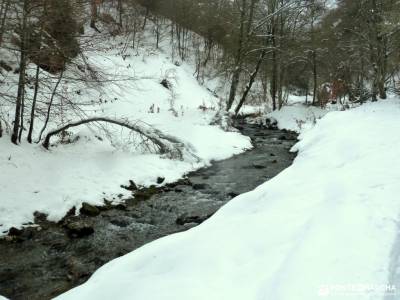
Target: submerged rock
pixel 89 210
pixel 259 166
pixel 183 181
pixel 79 228
pixel 160 180
pixel 146 193
pixel 282 138
pixel 15 231
pixel 271 123
pixel 185 219
pixel 232 195
pixel 200 186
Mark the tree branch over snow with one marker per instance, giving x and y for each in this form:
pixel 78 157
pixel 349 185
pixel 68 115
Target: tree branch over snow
pixel 165 143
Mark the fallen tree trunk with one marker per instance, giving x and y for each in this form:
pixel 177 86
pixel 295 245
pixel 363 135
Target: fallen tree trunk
pixel 166 144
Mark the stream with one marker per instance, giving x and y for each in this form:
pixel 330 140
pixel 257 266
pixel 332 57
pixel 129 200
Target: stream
pixel 44 261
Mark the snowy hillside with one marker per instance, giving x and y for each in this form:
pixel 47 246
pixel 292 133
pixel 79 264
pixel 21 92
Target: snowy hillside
pixel 325 227
pixel 98 162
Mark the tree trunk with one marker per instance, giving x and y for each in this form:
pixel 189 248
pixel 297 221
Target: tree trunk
pixel 314 55
pixel 315 76
pixel 382 88
pixel 157 29
pixel 93 16
pixel 307 91
pixel 238 58
pixel 3 15
pixel 251 81
pixel 50 105
pixel 233 89
pixel 31 124
pixel 120 12
pixel 145 18
pixel 21 127
pixel 378 53
pixel 279 57
pixel 21 80
pixel 274 78
pixel 382 67
pixel 208 44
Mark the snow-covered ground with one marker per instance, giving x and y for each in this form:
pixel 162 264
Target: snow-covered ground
pixel 297 117
pixel 33 179
pixel 323 228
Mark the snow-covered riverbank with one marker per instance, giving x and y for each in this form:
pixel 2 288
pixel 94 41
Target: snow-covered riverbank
pixel 99 162
pixel 326 226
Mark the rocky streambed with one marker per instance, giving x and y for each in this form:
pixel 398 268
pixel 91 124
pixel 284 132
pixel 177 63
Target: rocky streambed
pixel 44 261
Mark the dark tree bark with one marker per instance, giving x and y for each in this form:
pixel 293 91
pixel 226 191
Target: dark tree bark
pixel 281 71
pixel 93 17
pixel 274 79
pixel 315 76
pixel 378 51
pixel 32 121
pixel 120 11
pixel 21 127
pixel 50 105
pixel 314 54
pixel 21 80
pixel 208 44
pixel 157 31
pixel 145 18
pixel 239 58
pixel 3 15
pixel 35 93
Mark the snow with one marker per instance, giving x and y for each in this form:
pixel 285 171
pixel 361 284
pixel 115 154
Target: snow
pixel 91 170
pixel 323 228
pixel 297 117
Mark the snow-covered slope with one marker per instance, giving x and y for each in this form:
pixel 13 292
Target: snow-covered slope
pixel 93 167
pixel 326 226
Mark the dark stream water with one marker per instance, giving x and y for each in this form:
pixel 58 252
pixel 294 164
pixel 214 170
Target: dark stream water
pixel 40 263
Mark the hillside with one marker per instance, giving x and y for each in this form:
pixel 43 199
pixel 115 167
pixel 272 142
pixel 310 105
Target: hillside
pixel 98 160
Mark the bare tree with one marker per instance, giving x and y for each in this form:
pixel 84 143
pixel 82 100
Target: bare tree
pixel 245 29
pixel 22 69
pixel 50 106
pixel 5 5
pixel 251 81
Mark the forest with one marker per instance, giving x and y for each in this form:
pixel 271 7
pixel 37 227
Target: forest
pixel 199 149
pixel 265 49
